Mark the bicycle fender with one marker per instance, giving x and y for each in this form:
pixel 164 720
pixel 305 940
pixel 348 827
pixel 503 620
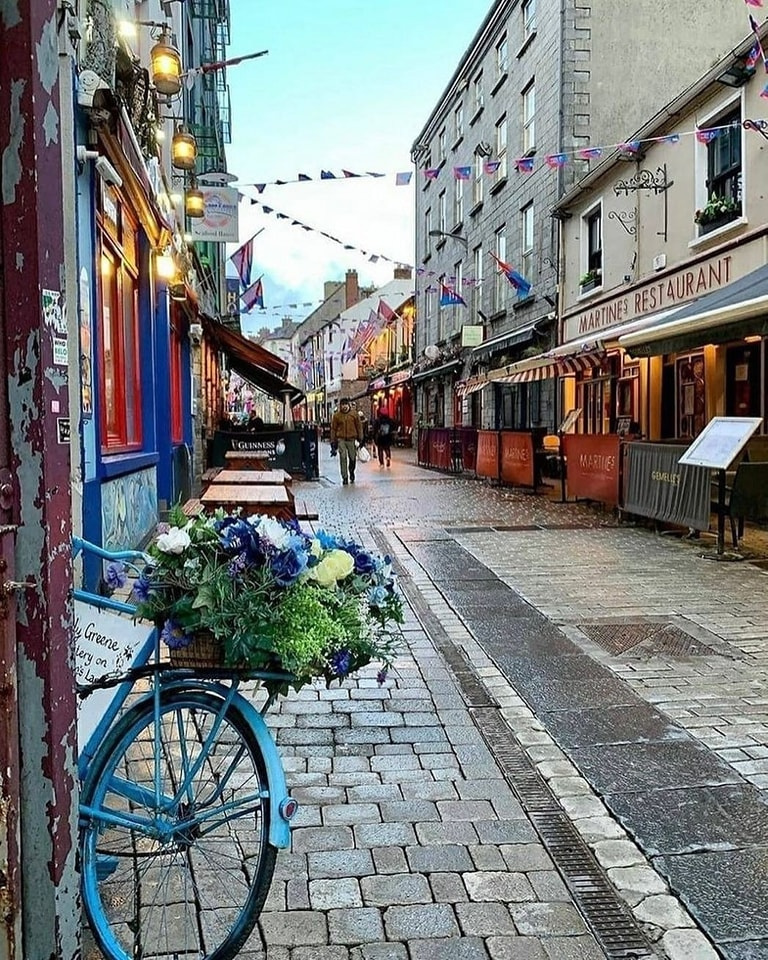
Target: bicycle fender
pixel 279 824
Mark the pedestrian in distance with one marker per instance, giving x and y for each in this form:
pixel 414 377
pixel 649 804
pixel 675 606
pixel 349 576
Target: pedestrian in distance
pixel 346 433
pixel 383 432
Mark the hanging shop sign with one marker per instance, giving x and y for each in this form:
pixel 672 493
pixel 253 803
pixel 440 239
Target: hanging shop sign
pixel 472 335
pixel 219 222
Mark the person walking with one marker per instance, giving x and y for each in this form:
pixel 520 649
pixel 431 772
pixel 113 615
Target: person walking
pixel 383 431
pixel 346 433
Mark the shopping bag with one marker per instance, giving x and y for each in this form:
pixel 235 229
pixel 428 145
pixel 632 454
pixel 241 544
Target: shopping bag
pixel 363 455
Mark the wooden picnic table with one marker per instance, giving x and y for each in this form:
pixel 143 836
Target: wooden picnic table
pixel 276 477
pixel 270 499
pixel 246 460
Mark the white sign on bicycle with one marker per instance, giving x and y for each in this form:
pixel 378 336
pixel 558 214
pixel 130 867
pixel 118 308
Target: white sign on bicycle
pixel 106 645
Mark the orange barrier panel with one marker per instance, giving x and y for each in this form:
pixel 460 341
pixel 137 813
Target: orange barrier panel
pixel 592 466
pixel 517 467
pixel 488 454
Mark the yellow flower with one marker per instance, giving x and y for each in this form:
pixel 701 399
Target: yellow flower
pixel 335 565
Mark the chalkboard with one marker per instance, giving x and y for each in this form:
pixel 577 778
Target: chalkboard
pixel 720 442
pixel 570 419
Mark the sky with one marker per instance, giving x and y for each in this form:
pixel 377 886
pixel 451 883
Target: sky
pixel 347 84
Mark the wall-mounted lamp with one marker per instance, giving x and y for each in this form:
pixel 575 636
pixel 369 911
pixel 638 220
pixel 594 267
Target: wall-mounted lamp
pixel 183 149
pixel 165 266
pixel 194 201
pixel 165 64
pixel 177 292
pixel 736 75
pixel 453 236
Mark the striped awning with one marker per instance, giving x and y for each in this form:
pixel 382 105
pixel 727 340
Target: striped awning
pixel 546 365
pixel 464 387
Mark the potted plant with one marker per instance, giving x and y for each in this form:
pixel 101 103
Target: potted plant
pixel 590 280
pixel 717 212
pixel 258 593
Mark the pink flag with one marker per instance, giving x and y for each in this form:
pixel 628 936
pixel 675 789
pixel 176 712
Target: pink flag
pixel 556 160
pixel 491 166
pixel 242 258
pixel 590 153
pixel 524 165
pixel 462 173
pixel 254 296
pixel 387 314
pixel 706 136
pixel 432 174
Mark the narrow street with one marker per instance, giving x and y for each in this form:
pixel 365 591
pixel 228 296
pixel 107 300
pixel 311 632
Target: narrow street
pixel 568 762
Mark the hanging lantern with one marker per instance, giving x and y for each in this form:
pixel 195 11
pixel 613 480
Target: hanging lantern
pixel 194 201
pixel 165 266
pixel 183 149
pixel 177 291
pixel 166 65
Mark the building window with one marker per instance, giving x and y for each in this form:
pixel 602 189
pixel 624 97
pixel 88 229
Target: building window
pixel 723 173
pixel 458 123
pixel 478 98
pixel 427 228
pixel 477 187
pixel 477 286
pixel 458 201
pixel 526 221
pixel 500 281
pixel 529 117
pixel 502 57
pixel 442 213
pixel 501 148
pixel 119 378
pixel 529 18
pixel 593 253
pixel 441 140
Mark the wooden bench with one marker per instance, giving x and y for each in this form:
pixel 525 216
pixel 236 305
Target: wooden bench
pixel 246 460
pixel 746 497
pixel 304 511
pixel 269 477
pixel 192 508
pixel 269 499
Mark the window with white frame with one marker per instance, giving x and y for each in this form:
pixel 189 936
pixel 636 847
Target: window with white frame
pixel 442 213
pixel 724 195
pixel 592 257
pixel 427 228
pixel 441 141
pixel 477 93
pixel 529 18
pixel 502 56
pixel 529 117
pixel 500 281
pixel 458 200
pixel 501 147
pixel 477 278
pixel 458 122
pixel 526 223
pixel 477 186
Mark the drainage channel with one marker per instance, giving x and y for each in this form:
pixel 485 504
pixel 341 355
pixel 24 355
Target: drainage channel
pixel 608 917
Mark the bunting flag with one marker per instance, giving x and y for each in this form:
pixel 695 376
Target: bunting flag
pixel 764 92
pixel 706 136
pixel 403 179
pixel 462 173
pixel 387 314
pixel 753 56
pixel 254 296
pixel 754 3
pixel 491 166
pixel 348 173
pixel 631 146
pixel 449 297
pixel 517 280
pixel 242 258
pixel 589 153
pixel 556 160
pixel 524 165
pixel 432 173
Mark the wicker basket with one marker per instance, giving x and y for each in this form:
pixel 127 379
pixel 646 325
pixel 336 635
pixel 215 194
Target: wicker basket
pixel 204 651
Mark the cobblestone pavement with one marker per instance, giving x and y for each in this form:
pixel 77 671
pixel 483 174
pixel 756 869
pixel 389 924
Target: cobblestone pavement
pixel 415 839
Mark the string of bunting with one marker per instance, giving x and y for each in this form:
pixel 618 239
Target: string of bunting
pixel 402 179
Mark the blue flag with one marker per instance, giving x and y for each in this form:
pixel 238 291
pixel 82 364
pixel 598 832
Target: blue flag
pixel 449 297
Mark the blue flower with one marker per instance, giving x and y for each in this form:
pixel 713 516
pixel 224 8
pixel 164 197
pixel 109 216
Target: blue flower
pixel 381 676
pixel 364 563
pixel 237 565
pixel 115 576
pixel 174 636
pixel 341 661
pixel 288 566
pixel 378 596
pixel 328 541
pixel 141 588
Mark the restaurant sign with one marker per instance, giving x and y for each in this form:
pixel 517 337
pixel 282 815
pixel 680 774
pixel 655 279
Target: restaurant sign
pixel 517 458
pixel 656 295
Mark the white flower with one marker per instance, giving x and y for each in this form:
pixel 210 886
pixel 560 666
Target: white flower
pixel 272 530
pixel 175 541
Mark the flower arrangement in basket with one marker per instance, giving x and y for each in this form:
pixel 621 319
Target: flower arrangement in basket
pixel 258 593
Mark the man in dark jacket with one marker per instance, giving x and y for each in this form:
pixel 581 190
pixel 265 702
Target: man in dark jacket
pixel 383 434
pixel 346 433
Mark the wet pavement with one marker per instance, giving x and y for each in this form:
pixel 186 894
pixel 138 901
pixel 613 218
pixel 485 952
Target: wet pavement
pixel 570 760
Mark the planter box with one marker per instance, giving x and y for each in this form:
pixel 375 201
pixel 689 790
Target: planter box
pixel 590 285
pixel 711 225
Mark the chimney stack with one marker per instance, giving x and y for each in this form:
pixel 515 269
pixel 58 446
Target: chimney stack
pixel 351 289
pixel 402 273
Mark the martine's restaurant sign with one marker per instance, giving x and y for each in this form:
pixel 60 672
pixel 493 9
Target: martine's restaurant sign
pixel 652 297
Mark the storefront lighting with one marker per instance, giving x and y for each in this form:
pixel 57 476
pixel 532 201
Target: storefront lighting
pixel 177 197
pixel 165 266
pixel 755 339
pixel 177 291
pixel 194 201
pixel 159 134
pixel 183 149
pixel 165 65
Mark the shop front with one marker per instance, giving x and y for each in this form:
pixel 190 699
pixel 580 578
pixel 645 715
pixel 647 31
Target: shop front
pixel 392 394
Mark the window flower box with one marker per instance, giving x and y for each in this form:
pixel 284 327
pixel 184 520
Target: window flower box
pixel 717 212
pixel 590 280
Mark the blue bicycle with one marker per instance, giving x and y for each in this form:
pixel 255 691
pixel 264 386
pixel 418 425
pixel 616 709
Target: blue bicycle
pixel 183 803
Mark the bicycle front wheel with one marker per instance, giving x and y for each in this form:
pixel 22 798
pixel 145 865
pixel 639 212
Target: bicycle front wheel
pixel 174 841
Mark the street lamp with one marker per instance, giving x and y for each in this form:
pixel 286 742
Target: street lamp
pixel 453 236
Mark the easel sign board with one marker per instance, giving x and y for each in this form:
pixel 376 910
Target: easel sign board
pixel 570 419
pixel 720 442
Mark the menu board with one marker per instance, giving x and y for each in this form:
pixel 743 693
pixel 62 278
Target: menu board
pixel 570 419
pixel 720 442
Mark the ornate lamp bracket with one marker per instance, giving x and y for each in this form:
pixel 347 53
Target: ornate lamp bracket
pixel 644 180
pixel 625 218
pixel 759 126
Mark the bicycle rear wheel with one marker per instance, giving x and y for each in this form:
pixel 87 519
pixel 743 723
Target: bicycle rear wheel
pixel 175 856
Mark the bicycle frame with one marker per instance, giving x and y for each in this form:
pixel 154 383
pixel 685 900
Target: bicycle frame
pixel 167 680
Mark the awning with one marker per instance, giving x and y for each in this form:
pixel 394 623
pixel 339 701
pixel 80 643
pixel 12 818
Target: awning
pixel 512 338
pixel 253 363
pixel 737 310
pixel 547 365
pixel 440 371
pixel 465 387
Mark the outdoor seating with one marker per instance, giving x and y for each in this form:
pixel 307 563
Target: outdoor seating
pixel 746 497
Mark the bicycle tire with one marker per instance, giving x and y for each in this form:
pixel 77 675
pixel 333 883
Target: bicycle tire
pixel 148 896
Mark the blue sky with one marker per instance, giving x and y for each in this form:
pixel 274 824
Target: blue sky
pixel 346 84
